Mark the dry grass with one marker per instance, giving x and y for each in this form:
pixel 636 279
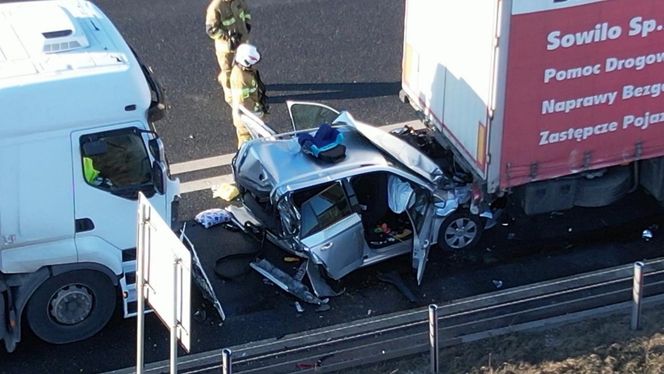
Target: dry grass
pixel 602 346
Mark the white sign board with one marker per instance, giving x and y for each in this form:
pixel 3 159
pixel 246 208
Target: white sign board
pixel 166 271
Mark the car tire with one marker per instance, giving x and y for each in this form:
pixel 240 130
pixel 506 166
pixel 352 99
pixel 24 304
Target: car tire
pixel 459 231
pixel 71 306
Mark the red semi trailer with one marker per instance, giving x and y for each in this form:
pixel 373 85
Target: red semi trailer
pixel 558 103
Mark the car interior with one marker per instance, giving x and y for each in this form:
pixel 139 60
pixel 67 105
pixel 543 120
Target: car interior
pixel 382 227
pixel 323 205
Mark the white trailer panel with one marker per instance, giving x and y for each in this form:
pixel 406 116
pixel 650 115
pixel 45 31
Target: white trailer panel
pixel 448 69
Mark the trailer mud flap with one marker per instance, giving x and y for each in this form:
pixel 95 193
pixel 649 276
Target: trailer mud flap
pixel 3 317
pixel 10 330
pixel 200 277
pixel 285 282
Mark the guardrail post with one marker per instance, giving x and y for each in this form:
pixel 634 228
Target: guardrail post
pixel 226 361
pixel 433 337
pixel 637 295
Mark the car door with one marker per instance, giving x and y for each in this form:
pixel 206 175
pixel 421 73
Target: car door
pixel 256 127
pixel 306 115
pixel 421 214
pixel 332 231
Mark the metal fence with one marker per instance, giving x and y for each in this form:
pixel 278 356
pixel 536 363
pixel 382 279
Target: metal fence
pixel 412 332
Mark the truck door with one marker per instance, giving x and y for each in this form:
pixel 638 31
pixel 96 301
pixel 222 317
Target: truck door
pixel 421 214
pixel 306 115
pixel 110 168
pixel 332 231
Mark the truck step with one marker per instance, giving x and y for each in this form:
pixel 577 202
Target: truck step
pixel 131 301
pixel 128 284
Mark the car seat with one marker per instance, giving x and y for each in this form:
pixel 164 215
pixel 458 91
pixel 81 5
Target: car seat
pixel 371 191
pixel 324 145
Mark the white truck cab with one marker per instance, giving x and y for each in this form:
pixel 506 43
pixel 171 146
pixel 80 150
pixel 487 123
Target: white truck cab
pixel 76 147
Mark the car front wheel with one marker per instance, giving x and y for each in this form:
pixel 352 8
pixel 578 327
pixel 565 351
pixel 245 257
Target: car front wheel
pixel 459 231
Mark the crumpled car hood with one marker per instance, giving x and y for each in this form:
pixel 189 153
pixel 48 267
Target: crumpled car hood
pixel 409 156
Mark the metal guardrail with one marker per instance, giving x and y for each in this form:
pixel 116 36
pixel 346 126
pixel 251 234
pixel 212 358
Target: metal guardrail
pixel 406 333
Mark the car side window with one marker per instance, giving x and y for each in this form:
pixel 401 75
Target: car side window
pixel 115 160
pixel 324 209
pixel 307 116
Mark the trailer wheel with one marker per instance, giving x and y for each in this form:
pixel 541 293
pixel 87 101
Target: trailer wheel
pixel 459 231
pixel 72 306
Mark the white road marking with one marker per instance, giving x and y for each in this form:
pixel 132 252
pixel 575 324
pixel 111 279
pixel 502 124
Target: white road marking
pixel 203 163
pixel 205 183
pixel 225 160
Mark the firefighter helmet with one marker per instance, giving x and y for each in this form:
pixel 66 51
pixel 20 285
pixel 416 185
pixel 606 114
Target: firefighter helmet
pixel 247 55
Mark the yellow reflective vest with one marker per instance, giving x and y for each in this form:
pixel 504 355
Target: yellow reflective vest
pixel 89 171
pixel 244 89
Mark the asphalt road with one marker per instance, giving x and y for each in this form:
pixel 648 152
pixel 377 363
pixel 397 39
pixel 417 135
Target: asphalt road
pixel 347 54
pixel 537 249
pixel 343 53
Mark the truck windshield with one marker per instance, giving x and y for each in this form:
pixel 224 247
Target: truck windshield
pixel 156 111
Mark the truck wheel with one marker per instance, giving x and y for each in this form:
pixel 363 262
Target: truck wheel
pixel 403 97
pixel 460 230
pixel 72 306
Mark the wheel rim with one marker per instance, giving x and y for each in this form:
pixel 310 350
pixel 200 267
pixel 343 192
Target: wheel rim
pixel 460 233
pixel 71 304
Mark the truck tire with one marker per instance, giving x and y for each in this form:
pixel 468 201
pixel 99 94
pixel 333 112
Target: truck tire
pixel 602 191
pixel 403 97
pixel 459 231
pixel 71 306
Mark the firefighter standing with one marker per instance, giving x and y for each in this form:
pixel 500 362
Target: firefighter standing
pixel 228 23
pixel 247 89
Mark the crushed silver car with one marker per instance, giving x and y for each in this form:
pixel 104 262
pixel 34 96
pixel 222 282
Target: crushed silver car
pixel 391 195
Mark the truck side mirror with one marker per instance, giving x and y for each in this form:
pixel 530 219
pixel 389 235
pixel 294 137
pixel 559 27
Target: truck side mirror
pixel 158 175
pixel 157 149
pixel 95 148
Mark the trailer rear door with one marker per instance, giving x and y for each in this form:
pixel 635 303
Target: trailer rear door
pixel 448 70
